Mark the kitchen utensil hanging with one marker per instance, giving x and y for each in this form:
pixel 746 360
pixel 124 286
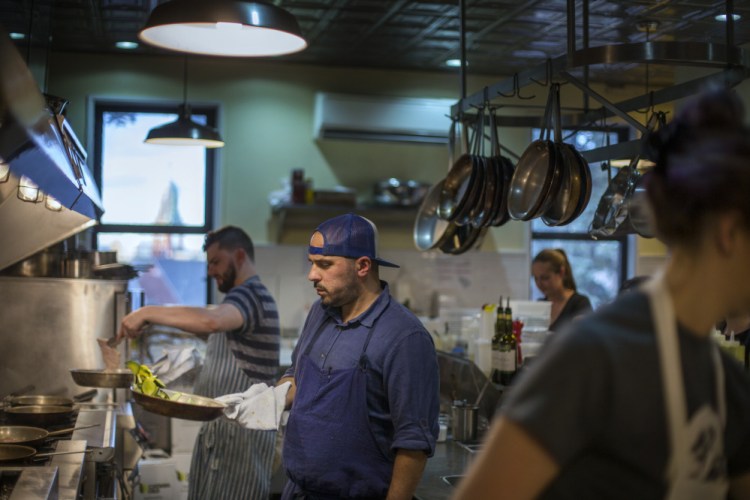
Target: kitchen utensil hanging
pixel 575 177
pixel 430 229
pixel 537 174
pixel 611 216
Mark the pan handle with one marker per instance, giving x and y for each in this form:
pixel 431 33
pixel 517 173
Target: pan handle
pixel 66 431
pixel 51 453
pixel 85 396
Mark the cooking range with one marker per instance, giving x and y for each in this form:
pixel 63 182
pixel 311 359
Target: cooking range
pixel 107 448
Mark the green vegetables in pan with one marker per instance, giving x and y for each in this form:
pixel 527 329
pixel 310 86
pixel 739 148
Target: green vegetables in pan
pixel 147 383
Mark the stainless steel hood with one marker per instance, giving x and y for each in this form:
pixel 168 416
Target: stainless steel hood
pixel 36 145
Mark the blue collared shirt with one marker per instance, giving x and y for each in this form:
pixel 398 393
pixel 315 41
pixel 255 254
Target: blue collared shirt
pixel 403 387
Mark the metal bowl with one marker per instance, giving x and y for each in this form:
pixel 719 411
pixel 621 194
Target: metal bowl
pixel 122 377
pixel 184 406
pixel 397 192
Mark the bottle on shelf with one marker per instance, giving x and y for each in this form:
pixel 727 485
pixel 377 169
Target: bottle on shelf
pixel 507 358
pixel 499 328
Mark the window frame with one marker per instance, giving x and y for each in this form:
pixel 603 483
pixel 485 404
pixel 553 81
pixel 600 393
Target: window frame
pixel 100 106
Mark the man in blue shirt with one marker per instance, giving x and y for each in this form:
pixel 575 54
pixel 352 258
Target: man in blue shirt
pixel 365 381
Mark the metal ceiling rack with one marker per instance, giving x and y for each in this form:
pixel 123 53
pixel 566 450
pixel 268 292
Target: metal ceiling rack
pixel 733 63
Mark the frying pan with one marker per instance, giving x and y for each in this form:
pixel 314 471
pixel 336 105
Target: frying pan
pixel 458 180
pixel 32 436
pixel 17 452
pixel 431 231
pixel 485 209
pixel 586 184
pixel 45 400
pixel 121 377
pixel 39 416
pixel 180 405
pixel 537 174
pixel 502 215
pixel 565 203
pixel 475 195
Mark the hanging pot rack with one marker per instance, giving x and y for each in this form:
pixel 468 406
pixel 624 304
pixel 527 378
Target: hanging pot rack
pixel 733 64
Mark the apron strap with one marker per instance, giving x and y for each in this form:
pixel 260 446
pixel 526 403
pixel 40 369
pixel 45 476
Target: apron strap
pixel 670 364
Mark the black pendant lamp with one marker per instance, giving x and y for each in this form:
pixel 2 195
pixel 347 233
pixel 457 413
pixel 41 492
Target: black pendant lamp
pixel 223 28
pixel 184 131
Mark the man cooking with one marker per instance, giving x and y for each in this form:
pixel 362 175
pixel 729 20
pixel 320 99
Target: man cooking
pixel 365 384
pixel 229 462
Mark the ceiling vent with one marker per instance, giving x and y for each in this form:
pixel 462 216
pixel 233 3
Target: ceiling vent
pixel 374 118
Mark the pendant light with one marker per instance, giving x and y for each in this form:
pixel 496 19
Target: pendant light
pixel 184 131
pixel 223 28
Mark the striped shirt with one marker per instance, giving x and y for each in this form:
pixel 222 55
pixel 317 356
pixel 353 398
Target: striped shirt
pixel 255 344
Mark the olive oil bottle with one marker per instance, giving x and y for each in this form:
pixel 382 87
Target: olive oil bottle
pixel 507 359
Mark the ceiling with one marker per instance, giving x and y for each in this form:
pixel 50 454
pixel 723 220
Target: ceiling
pixel 501 37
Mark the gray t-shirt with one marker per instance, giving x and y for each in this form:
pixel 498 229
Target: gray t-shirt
pixel 594 400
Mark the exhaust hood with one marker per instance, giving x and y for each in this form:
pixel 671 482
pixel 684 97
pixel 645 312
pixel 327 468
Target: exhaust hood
pixel 46 190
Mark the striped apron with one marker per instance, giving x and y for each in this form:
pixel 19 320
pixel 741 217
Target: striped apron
pixel 229 462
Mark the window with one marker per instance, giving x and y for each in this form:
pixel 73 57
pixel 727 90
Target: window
pixel 599 266
pixel 157 200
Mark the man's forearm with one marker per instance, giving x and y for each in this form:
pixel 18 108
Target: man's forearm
pixel 290 393
pixel 407 472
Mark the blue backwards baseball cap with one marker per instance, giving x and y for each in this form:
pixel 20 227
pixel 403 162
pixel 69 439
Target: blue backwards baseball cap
pixel 350 236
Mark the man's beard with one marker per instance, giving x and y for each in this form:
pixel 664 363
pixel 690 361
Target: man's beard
pixel 227 279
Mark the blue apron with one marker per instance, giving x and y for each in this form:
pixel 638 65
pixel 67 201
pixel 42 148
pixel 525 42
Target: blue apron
pixel 329 449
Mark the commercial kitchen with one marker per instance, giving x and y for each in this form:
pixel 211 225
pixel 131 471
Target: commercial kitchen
pixel 367 117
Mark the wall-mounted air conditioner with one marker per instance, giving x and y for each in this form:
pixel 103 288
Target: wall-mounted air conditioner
pixel 372 118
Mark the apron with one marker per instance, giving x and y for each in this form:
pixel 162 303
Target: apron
pixel 697 444
pixel 329 448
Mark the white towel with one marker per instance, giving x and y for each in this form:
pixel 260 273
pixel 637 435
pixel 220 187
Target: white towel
pixel 260 407
pixel 175 362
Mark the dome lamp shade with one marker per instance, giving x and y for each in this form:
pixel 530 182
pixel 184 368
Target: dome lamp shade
pixel 223 28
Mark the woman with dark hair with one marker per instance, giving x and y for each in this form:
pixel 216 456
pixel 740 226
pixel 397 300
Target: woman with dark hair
pixel 635 400
pixel 553 276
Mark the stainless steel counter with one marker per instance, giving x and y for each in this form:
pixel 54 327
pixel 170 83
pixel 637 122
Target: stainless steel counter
pixel 450 459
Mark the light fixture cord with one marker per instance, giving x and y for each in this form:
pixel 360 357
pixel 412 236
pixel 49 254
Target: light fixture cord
pixel 184 81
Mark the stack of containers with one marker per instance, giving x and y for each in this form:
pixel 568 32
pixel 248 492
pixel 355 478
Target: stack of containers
pixel 535 316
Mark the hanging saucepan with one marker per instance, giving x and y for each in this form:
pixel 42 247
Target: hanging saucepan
pixel 457 183
pixel 507 168
pixel 464 238
pixel 430 231
pixel 18 453
pixel 504 168
pixel 474 190
pixel 537 174
pixel 561 202
pixel 32 436
pixel 39 416
pixel 493 179
pixel 586 183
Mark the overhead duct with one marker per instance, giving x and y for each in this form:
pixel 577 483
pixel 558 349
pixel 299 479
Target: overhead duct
pixel 46 190
pixel 373 118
